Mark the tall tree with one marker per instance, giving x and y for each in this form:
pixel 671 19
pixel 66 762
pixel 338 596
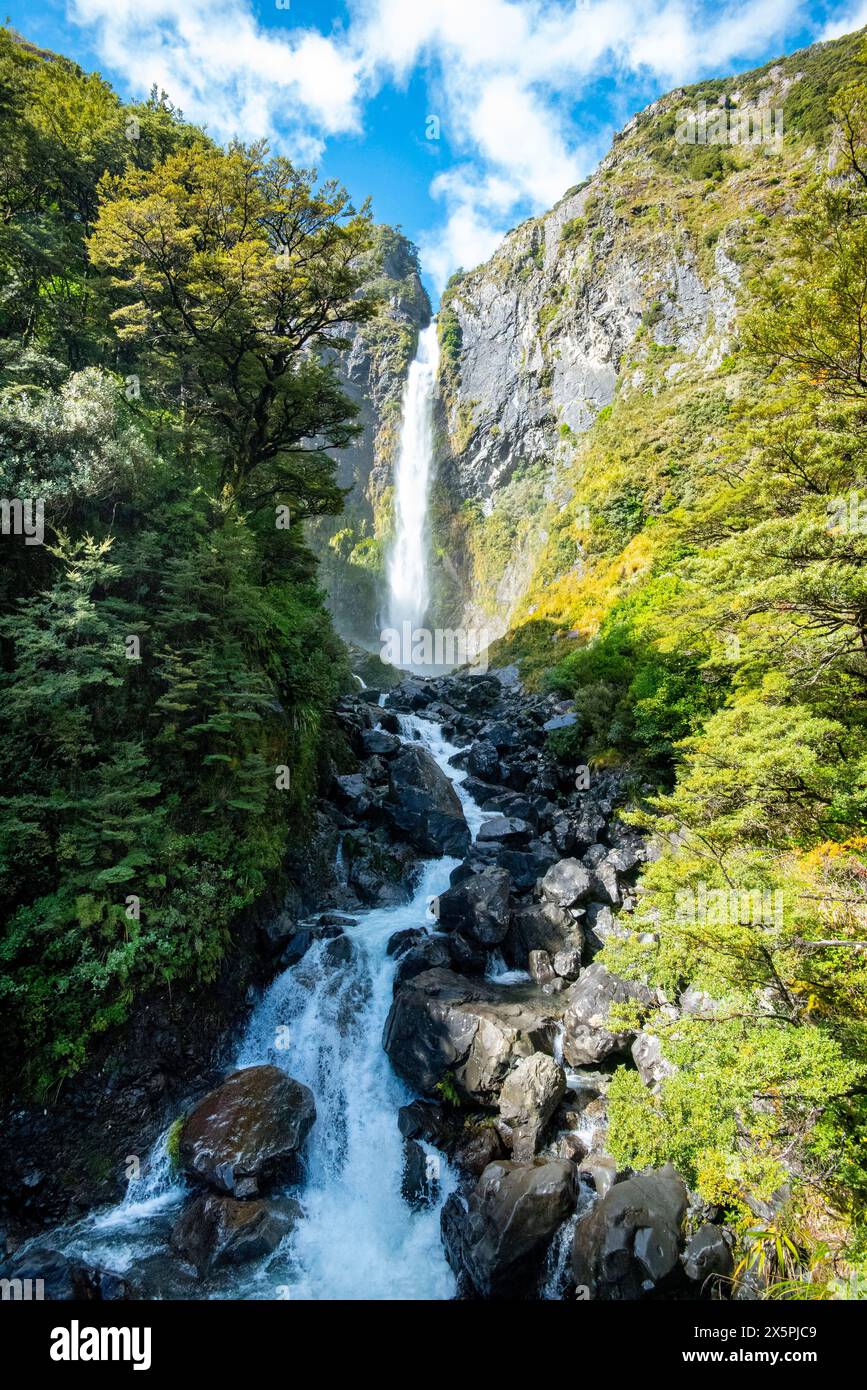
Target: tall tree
pixel 237 276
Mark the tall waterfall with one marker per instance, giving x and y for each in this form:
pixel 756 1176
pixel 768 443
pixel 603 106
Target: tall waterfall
pixel 408 583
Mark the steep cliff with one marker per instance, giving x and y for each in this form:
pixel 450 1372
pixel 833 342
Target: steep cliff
pixel 630 288
pixel 351 547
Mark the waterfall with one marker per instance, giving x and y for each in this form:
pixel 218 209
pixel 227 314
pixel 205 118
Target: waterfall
pixel 408 583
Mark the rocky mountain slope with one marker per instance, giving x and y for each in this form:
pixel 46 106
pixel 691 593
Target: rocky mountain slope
pixel 631 287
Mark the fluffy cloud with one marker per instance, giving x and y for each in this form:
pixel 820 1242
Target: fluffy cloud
pixel 505 77
pixel 215 60
pixel 851 18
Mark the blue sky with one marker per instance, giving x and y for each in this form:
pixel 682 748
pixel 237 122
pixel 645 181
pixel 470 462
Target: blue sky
pixel 522 96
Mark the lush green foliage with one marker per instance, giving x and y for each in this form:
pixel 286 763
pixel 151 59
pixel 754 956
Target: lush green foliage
pixel 165 653
pixel 719 640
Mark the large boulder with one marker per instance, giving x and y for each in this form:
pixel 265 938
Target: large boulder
pixel 504 830
pixel 440 1022
pixel 530 1095
pixel 423 806
pixel 483 761
pixel 248 1132
pixel 629 1244
pixel 212 1231
pixel 526 865
pixel 587 1039
pixel 478 907
pixel 546 927
pixel 499 1240
pixel 567 883
pixel 428 954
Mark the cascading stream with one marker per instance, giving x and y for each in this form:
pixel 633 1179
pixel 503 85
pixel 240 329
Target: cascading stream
pixel 408 582
pixel 321 1021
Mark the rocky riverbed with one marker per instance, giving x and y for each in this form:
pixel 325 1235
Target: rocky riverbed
pixel 491 1009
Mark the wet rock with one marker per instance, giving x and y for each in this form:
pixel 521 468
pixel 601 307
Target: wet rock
pixel 63 1279
pixel 546 927
pixel 277 931
pixel 432 1122
pixel 571 1147
pixel 420 1183
pixel 426 955
pixel 379 743
pixel 468 956
pixel 511 804
pixel 499 1240
pixel 502 736
pixel 478 1146
pixel 339 952
pixel 410 695
pixel 505 830
pixel 566 883
pixel 483 761
pixel 478 907
pixel 354 792
pixel 708 1256
pixel 629 1244
pixel 601 1170
pixel 530 1095
pixel 440 1022
pixel 213 1231
pixel 403 940
pixel 527 865
pixel 423 806
pixel 587 1039
pixel 296 948
pixel 247 1133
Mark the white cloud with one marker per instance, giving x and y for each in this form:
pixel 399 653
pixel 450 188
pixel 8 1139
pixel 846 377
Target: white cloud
pixel 505 77
pixel 224 69
pixel 853 17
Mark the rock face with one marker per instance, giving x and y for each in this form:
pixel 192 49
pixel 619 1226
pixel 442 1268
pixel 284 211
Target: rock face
pixel 423 805
pixel 498 1241
pixel 629 1244
pixel 478 907
pixel 708 1256
pixel 587 1040
pixel 546 927
pixel 566 883
pixel 530 1095
pixel 213 1231
pixel 440 1022
pixel 373 373
pixel 247 1133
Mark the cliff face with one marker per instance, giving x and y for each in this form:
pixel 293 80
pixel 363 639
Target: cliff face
pixel 632 283
pixel 631 287
pixel 351 547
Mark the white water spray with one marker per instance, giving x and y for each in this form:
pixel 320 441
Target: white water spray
pixel 408 582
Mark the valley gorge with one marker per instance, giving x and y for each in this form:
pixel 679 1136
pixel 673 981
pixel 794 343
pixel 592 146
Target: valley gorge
pixel 533 973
